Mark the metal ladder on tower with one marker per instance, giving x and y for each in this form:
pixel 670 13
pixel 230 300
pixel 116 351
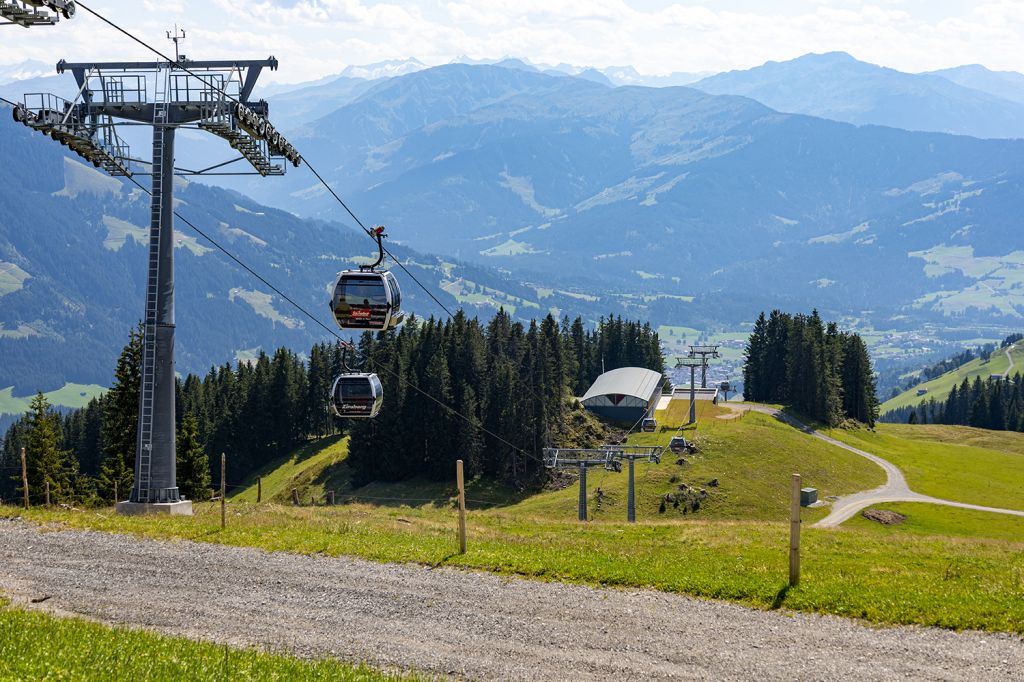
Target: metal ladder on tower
pixel 148 388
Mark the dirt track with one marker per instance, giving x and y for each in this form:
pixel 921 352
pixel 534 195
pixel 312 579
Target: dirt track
pixel 467 624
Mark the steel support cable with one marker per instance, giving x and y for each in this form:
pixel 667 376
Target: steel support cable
pixel 334 194
pixel 319 177
pixel 473 422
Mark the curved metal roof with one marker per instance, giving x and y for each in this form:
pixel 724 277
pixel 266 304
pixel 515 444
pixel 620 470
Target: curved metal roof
pixel 634 381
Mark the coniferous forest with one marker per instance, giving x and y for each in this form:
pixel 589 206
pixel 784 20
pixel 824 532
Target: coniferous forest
pixel 991 403
pixel 490 394
pixel 798 360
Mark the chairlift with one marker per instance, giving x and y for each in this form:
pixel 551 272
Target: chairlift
pixel 356 394
pixel 368 298
pixel 649 425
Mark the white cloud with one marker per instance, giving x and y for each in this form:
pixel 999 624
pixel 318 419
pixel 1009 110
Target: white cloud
pixel 313 38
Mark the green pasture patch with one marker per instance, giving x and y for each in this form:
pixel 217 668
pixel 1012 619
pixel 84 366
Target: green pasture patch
pixel 38 646
pixel 951 462
pixel 936 519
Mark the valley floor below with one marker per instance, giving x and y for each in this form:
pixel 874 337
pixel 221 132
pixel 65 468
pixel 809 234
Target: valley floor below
pixel 456 622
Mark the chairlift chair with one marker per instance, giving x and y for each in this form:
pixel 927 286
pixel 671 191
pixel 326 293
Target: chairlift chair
pixel 356 394
pixel 367 298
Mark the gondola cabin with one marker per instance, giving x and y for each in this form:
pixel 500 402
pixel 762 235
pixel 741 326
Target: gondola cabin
pixel 649 425
pixel 367 299
pixel 357 394
pixel 678 445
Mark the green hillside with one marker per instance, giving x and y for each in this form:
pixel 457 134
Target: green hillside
pixel 302 471
pixel 958 463
pixel 70 395
pixel 925 571
pixel 940 386
pixel 750 457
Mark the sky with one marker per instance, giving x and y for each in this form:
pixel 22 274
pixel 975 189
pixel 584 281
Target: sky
pixel 316 38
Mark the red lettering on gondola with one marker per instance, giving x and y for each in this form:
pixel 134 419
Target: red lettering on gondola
pixel 361 313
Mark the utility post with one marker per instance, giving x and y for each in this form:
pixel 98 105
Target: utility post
pixel 168 95
pixel 583 459
pixel 631 453
pixel 693 364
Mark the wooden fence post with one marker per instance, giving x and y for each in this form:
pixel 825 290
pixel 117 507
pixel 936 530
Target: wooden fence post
pixel 259 489
pixel 460 482
pixel 47 493
pixel 794 533
pixel 24 477
pixel 330 497
pixel 115 492
pixel 295 497
pixel 223 488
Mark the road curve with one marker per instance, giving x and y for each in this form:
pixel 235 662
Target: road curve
pixel 895 488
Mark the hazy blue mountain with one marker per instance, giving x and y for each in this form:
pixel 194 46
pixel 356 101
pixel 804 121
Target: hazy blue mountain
pixel 838 87
pixel 1006 84
pixel 677 192
pixel 72 271
pixel 627 75
pixel 25 70
pixel 386 69
pixel 293 108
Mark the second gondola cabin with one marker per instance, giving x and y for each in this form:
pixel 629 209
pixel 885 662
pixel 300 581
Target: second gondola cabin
pixel 357 394
pixel 367 299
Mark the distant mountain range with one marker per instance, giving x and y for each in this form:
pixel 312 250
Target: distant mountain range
pixel 538 191
pixel 72 272
pixel 1006 84
pixel 676 192
pixel 838 87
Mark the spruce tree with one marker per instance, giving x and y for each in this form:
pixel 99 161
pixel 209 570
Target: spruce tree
pixel 193 464
pixel 755 386
pixel 46 462
pixel 119 427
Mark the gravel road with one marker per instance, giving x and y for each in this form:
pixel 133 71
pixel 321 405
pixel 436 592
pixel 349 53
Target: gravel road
pixel 471 625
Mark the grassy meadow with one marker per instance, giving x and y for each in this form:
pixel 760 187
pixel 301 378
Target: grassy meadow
pixel 957 463
pixel 38 646
pixel 735 546
pixel 940 386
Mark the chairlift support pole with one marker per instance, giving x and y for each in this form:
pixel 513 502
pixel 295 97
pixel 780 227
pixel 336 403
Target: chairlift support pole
pixel 631 494
pixel 693 363
pixel 704 353
pixel 631 453
pixel 582 458
pixel 583 492
pixel 118 90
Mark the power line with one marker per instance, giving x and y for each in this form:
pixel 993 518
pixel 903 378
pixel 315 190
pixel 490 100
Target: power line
pixel 222 91
pixel 367 231
pixel 344 342
pixel 255 274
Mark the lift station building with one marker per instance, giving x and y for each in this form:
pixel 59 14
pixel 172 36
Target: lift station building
pixel 625 394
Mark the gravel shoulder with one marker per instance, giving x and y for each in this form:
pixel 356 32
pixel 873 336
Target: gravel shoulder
pixel 471 625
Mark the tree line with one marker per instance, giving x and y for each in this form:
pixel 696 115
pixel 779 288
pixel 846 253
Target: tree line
pixel 992 403
pixel 491 395
pixel 800 361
